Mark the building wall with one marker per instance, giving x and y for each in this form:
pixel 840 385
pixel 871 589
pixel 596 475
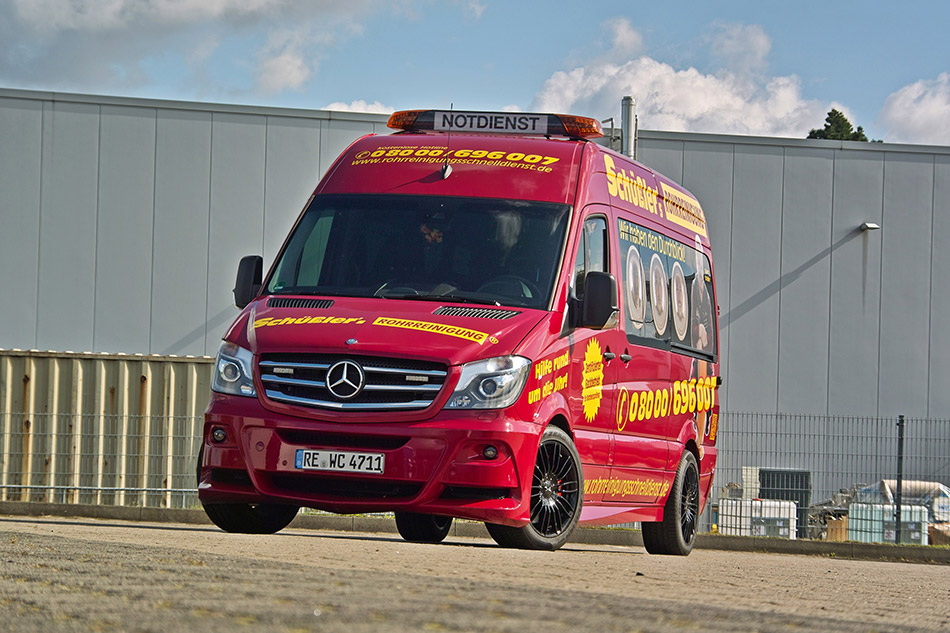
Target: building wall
pixel 816 316
pixel 123 221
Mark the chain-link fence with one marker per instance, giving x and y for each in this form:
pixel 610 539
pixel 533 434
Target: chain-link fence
pixel 832 478
pixel 785 476
pixel 126 460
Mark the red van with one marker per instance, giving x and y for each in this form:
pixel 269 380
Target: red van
pixel 485 316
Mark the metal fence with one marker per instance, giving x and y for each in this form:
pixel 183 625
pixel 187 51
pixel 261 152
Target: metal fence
pixel 115 429
pixel 125 431
pixel 832 478
pixel 127 460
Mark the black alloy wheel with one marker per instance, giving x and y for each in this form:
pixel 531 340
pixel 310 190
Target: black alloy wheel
pixel 676 533
pixel 556 497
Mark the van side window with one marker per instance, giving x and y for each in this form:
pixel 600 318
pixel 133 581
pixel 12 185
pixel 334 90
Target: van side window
pixel 591 253
pixel 667 291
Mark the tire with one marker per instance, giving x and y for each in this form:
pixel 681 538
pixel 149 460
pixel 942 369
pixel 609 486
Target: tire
pixel 557 494
pixel 423 528
pixel 244 518
pixel 676 534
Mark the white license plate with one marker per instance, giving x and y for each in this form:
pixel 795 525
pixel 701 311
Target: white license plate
pixel 340 461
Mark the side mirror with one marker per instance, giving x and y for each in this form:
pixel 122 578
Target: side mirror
pixel 600 300
pixel 248 283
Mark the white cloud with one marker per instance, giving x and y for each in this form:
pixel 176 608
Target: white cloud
pixel 919 113
pixel 283 62
pixel 52 16
pixel 625 40
pixel 117 45
pixel 684 100
pixel 742 48
pixel 360 106
pixel 474 9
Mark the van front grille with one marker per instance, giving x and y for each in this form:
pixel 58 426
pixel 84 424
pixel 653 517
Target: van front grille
pixel 351 383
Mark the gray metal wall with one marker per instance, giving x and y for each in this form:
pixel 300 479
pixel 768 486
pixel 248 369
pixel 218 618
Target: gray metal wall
pixel 817 316
pixel 122 221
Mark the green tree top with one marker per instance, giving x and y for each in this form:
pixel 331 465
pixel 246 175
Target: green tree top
pixel 839 128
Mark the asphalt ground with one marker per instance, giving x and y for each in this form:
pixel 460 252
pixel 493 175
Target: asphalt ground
pixel 106 574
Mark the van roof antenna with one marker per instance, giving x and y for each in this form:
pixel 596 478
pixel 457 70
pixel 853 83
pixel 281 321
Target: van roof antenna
pixel 446 168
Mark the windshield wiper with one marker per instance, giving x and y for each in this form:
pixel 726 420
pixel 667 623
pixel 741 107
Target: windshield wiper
pixel 449 298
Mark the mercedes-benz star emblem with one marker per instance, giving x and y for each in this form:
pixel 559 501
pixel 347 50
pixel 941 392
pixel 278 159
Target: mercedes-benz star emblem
pixel 345 379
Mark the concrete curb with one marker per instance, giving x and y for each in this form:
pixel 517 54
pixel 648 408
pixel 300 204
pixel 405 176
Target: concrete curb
pixel 587 536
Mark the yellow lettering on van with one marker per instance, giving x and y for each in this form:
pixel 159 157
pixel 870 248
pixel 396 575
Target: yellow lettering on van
pixel 612 188
pixel 305 320
pixel 684 210
pixel 630 188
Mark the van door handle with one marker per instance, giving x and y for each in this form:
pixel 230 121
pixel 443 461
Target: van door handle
pixel 609 356
pixel 626 357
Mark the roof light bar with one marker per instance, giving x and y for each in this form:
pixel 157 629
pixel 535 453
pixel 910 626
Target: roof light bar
pixel 497 123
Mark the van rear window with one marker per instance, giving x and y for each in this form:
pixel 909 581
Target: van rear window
pixel 474 250
pixel 667 291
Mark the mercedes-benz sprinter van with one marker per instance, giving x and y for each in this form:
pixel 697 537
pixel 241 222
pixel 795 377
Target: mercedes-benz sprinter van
pixel 484 316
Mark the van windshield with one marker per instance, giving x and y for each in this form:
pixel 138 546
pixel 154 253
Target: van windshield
pixel 474 250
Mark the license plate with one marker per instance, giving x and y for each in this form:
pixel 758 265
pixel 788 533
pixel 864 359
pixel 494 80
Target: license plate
pixel 340 461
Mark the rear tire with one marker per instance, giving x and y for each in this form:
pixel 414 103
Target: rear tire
pixel 244 518
pixel 556 497
pixel 423 528
pixel 676 534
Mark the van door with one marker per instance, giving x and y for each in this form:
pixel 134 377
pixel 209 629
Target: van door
pixel 644 397
pixel 593 361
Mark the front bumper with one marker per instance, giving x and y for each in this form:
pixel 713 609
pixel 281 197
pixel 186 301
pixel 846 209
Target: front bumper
pixel 435 467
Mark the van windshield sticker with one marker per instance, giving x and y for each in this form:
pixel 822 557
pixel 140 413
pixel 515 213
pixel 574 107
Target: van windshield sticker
pixel 402 154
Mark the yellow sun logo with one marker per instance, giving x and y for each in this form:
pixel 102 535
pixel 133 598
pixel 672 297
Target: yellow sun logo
pixel 592 379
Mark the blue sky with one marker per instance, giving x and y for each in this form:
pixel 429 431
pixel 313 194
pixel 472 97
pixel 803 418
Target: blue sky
pixel 764 68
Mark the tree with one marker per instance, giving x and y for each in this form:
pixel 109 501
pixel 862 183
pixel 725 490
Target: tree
pixel 839 128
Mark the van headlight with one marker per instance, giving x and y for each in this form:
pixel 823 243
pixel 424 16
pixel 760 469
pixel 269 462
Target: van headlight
pixel 233 371
pixel 494 383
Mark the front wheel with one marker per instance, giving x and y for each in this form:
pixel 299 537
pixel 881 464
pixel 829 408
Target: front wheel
pixel 676 534
pixel 422 528
pixel 556 497
pixel 245 518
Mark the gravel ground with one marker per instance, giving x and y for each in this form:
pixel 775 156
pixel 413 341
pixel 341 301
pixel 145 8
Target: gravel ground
pixel 89 575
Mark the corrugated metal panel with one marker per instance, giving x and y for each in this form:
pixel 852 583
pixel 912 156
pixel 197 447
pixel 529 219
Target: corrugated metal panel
pixel 98 428
pixel 940 299
pixel 805 282
pixel 906 287
pixel 21 128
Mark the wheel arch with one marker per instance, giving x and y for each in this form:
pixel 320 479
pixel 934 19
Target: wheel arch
pixel 561 422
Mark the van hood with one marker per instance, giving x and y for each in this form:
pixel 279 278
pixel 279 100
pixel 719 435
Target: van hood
pixel 448 333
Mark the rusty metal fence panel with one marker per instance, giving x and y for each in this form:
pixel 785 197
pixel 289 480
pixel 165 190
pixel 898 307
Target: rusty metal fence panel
pixel 101 429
